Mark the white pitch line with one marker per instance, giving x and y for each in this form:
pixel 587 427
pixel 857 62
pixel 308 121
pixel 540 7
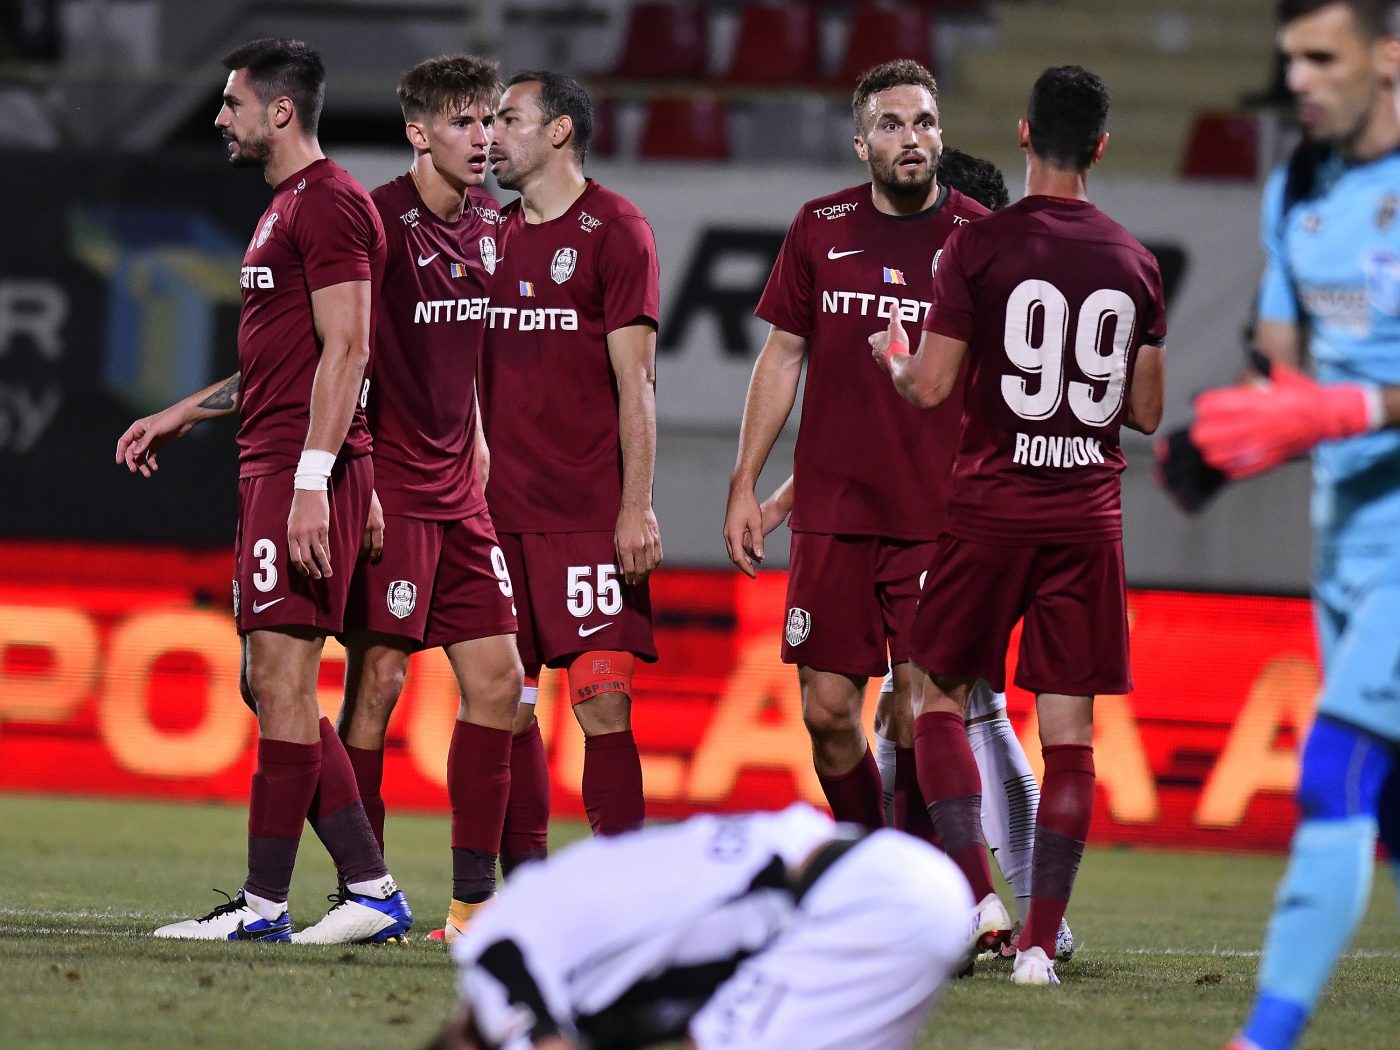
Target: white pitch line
pixel 1233 953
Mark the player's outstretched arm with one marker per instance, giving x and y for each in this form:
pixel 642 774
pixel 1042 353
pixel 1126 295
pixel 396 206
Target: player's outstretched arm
pixel 138 446
pixel 924 379
pixel 342 316
pixel 772 392
pixel 1148 392
pixel 632 352
pixel 776 508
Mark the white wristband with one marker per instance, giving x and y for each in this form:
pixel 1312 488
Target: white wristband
pixel 1375 407
pixel 314 470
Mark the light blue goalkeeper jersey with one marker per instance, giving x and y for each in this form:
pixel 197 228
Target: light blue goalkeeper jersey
pixel 1334 266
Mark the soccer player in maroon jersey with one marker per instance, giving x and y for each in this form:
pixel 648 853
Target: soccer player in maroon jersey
pixel 1056 313
pixel 568 400
pixel 866 515
pixel 1012 793
pixel 437 577
pixel 305 480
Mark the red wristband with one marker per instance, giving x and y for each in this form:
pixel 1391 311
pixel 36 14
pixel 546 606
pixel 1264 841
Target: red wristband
pixel 892 349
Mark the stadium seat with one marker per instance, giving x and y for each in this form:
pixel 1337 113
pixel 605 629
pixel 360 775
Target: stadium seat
pixel 665 42
pixel 878 34
pixel 604 141
pixel 777 44
pixel 685 128
pixel 1222 146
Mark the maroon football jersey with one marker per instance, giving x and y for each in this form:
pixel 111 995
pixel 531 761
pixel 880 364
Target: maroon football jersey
pixel 1053 298
pixel 548 396
pixel 867 462
pixel 427 342
pixel 321 229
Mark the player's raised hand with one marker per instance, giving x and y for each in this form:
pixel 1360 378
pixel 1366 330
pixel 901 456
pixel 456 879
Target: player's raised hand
pixel 637 541
pixel 743 531
pixel 309 533
pixel 138 446
pixel 893 340
pixel 372 542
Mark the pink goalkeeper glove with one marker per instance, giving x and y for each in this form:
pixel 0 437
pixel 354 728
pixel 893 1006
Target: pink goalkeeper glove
pixel 1245 430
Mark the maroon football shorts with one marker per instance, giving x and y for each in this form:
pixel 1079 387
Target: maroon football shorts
pixel 438 582
pixel 851 601
pixel 1073 597
pixel 267 590
pixel 570 598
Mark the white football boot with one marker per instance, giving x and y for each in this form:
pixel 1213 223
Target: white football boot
pixel 233 921
pixel 1033 968
pixel 358 918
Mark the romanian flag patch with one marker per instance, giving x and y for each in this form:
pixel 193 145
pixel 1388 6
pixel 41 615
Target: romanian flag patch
pixel 894 276
pixel 457 269
pixel 527 289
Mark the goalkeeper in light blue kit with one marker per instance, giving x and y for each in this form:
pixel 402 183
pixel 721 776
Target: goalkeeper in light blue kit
pixel 1331 230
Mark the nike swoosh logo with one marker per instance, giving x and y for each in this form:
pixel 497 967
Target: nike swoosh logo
pixel 267 605
pixel 424 262
pixel 832 253
pixel 584 632
pixel 242 934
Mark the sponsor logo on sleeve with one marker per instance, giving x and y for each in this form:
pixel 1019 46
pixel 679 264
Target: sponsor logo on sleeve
pixel 401 598
pixel 835 211
pixel 588 223
pixel 410 218
pixel 487 245
pixel 255 277
pixel 237 600
pixel 562 266
pixel 799 626
pixel 959 220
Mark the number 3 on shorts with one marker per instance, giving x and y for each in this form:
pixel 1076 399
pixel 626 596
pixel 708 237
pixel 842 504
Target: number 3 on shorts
pixel 583 596
pixel 266 577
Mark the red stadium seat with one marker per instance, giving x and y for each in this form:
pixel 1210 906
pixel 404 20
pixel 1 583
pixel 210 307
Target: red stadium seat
pixel 878 34
pixel 1223 146
pixel 604 141
pixel 776 44
pixel 665 42
pixel 685 128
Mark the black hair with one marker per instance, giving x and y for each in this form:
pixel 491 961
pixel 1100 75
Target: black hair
pixel 284 67
pixel 1067 112
pixel 1375 18
pixel 562 96
pixel 976 178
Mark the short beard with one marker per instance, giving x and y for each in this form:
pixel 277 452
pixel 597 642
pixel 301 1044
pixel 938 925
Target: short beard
pixel 888 178
pixel 254 153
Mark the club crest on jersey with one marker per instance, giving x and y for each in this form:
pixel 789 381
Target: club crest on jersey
pixel 300 186
pixel 266 230
pixel 401 598
pixel 799 626
pixel 894 276
pixel 488 253
pixel 936 256
pixel 1382 271
pixel 237 600
pixel 1385 215
pixel 562 267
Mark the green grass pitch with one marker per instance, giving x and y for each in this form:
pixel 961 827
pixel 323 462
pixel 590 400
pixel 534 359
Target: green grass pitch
pixel 1167 948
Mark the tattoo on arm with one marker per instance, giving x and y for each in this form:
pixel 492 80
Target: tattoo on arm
pixel 226 396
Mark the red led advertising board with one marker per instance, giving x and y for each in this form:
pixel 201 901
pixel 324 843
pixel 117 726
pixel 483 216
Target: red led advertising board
pixel 118 677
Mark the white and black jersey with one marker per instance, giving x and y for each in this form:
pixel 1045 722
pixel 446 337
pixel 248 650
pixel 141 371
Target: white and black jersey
pixel 618 941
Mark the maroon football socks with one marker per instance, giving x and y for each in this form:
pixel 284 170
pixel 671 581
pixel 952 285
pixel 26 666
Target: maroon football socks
pixel 910 811
pixel 368 764
pixel 952 787
pixel 478 783
pixel 612 783
pixel 526 835
pixel 283 785
pixel 1061 828
pixel 855 795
